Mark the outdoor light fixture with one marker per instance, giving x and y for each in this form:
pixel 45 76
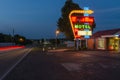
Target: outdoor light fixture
pixel 57 32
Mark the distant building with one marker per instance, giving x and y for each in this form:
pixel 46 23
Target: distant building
pixel 70 43
pixel 105 40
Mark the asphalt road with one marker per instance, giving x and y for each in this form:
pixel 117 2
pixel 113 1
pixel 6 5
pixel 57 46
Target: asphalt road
pixel 90 65
pixel 9 59
pixel 67 65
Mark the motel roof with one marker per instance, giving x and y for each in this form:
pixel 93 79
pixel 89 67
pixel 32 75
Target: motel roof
pixel 105 32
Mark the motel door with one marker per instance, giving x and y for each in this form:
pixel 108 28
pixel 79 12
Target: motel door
pixel 114 44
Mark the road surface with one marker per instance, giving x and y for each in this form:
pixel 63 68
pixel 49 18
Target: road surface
pixel 9 59
pixel 67 65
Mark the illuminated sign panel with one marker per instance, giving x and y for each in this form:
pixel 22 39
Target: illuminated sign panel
pixel 74 19
pixel 82 33
pixel 82 26
pixel 86 19
pixel 83 19
pixel 79 24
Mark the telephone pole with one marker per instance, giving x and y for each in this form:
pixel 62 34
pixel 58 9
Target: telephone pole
pixel 13 36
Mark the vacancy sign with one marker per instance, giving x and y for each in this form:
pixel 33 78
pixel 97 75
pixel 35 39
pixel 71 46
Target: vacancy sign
pixel 83 33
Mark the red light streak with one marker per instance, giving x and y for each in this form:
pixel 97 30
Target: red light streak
pixel 11 48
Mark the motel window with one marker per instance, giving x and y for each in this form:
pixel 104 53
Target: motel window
pixel 101 44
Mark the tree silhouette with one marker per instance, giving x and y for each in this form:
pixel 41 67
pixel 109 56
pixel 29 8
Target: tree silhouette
pixel 5 38
pixel 63 22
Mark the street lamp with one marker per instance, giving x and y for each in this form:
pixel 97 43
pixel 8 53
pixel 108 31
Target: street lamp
pixel 21 39
pixel 57 32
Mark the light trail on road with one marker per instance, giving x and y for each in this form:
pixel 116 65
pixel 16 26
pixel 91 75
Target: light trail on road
pixel 10 48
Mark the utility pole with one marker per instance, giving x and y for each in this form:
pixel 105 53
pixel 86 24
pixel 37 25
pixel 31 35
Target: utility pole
pixel 13 37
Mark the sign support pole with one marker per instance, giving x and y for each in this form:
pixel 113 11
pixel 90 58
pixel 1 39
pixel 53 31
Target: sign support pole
pixel 77 44
pixel 86 44
pixel 80 43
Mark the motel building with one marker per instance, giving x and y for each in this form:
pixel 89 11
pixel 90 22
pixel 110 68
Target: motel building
pixel 105 40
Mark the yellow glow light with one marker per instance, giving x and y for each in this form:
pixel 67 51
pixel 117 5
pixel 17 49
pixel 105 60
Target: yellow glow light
pixel 21 39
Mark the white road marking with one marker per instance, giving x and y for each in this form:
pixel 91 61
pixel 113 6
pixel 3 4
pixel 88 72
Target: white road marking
pixel 104 66
pixel 78 67
pixel 72 66
pixel 15 64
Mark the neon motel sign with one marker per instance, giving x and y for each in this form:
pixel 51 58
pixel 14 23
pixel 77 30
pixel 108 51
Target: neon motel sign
pixel 82 26
pixel 83 19
pixel 79 29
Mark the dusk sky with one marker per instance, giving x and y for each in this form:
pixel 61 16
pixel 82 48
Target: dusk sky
pixel 36 19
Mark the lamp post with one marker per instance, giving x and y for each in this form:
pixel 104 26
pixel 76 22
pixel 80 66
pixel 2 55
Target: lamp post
pixel 57 32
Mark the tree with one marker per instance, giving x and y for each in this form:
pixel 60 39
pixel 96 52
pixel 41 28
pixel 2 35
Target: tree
pixel 8 38
pixel 5 38
pixel 1 37
pixel 63 22
pixel 19 39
